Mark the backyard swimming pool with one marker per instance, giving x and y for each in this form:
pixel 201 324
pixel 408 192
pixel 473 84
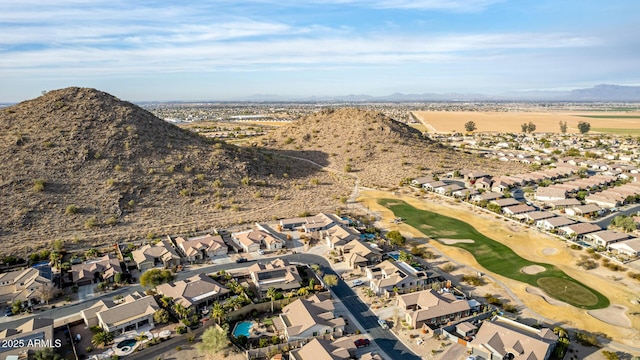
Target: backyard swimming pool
pixel 127 346
pixel 242 328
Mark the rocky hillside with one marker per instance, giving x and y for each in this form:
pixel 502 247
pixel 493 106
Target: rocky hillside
pixel 80 165
pixel 377 149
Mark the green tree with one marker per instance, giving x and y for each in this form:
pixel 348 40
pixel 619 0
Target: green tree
pixel 406 257
pixel 217 312
pixel 47 354
pixel 272 293
pixel 330 280
pixel 470 126
pixel 303 291
pixel 396 238
pixel 584 127
pixel 563 127
pixel 610 355
pixel 161 316
pixel 155 277
pixel 182 311
pixel 101 338
pixel 213 341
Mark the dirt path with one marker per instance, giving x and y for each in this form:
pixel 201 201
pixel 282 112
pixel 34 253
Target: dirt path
pixel 535 246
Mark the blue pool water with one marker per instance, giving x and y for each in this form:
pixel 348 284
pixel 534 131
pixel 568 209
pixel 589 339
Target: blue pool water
pixel 127 343
pixel 242 328
pixel 394 256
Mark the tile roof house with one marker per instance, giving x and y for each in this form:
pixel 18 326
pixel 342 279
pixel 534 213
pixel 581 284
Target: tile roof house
pixel 390 275
pixel 550 193
pixel 487 196
pixel 202 247
pixel 578 230
pixel 197 291
pixel 605 237
pixel 101 269
pixel 604 200
pixel 554 222
pixel 132 312
pixel 564 203
pixel 253 240
pixel 322 222
pixel 361 254
pixel 23 285
pixel 32 335
pixel 518 210
pixel 534 216
pixel 431 308
pixel 499 337
pixel 310 317
pixel 431 185
pixel 629 247
pixel 160 253
pixel 583 210
pixel 338 236
pixel 320 349
pixel 278 274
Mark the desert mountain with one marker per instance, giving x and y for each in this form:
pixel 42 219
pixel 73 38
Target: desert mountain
pixel 374 147
pixel 81 165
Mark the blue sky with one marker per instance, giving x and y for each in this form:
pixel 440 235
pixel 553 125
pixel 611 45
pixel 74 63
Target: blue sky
pixel 227 50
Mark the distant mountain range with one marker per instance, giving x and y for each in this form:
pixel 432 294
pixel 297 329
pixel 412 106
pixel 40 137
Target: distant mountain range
pixel 603 92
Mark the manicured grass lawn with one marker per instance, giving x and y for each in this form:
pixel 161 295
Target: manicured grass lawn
pixel 498 258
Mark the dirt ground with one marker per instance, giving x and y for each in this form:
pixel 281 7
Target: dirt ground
pixel 533 245
pixel 448 121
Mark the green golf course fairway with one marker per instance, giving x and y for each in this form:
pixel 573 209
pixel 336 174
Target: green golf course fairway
pixel 498 258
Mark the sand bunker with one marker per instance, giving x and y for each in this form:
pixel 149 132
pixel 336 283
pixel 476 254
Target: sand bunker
pixel 549 251
pixel 532 269
pixel 550 300
pixel 614 315
pixel 456 241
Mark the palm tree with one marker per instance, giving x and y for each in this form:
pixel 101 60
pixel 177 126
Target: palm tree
pixel 217 312
pixel 561 332
pixel 271 293
pixel 181 311
pixel 101 338
pixel 303 291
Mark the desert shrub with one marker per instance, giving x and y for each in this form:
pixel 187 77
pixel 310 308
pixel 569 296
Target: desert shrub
pixel 112 220
pixel 90 223
pixel 38 185
pixel 610 355
pixel 586 263
pixel 71 209
pixel 587 339
pixel 473 280
pixel 633 275
pixel 448 267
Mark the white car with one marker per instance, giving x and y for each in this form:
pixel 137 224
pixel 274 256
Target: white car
pixel 357 282
pixel 383 324
pixel 260 252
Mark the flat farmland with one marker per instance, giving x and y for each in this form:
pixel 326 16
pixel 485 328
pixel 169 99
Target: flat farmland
pixel 453 121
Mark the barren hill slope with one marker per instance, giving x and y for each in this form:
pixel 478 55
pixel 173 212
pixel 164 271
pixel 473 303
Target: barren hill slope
pixel 376 148
pixel 83 166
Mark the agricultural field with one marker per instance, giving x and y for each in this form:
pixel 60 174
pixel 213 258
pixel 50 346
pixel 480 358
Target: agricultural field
pixel 626 123
pixel 498 258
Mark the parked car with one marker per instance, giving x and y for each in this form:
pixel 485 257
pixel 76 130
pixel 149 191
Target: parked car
pixel 8 312
pixel 241 260
pixel 260 252
pixel 383 324
pixel 357 282
pixel 362 342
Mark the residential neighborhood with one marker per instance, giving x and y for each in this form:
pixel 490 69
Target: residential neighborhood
pixel 276 305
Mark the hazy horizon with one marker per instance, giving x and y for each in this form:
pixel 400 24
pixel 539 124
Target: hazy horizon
pixel 154 51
